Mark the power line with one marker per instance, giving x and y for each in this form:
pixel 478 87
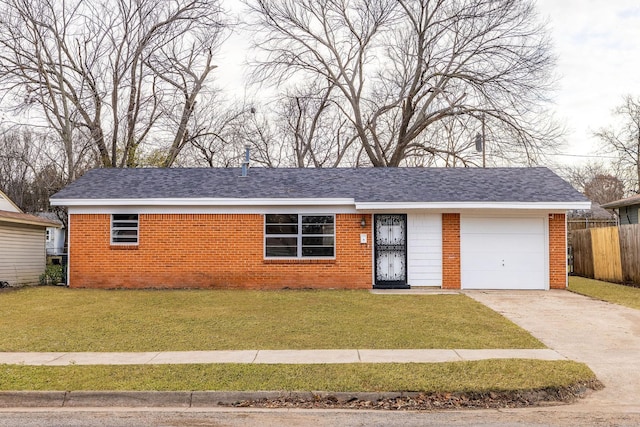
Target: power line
pixel 595 156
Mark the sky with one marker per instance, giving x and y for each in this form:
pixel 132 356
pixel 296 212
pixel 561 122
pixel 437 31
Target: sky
pixel 597 45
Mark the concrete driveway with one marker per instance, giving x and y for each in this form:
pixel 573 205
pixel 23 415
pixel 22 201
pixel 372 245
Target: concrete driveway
pixel 604 336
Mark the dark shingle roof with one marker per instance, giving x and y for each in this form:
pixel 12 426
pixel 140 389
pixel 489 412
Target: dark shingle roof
pixel 363 184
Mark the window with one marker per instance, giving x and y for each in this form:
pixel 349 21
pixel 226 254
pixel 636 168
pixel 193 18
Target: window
pixel 48 235
pixel 124 229
pixel 299 236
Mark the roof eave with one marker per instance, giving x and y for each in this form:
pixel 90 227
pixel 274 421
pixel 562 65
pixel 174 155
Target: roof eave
pixel 569 205
pixel 30 222
pixel 615 205
pixel 475 205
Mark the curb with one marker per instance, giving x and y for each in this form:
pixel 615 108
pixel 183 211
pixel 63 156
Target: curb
pixel 175 399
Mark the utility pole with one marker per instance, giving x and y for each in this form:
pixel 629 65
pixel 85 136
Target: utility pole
pixel 484 145
pixel 480 141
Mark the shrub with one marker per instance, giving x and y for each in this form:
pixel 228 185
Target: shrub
pixel 52 275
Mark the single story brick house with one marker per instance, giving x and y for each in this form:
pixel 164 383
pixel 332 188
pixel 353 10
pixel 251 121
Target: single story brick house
pixel 469 228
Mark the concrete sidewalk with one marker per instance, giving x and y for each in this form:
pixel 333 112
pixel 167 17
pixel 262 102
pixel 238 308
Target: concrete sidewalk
pixel 274 357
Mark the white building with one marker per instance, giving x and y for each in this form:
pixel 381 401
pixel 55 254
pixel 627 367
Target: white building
pixel 22 244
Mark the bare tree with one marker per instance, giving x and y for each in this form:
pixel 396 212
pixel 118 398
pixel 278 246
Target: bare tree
pixel 604 188
pixel 578 176
pixel 314 131
pixel 302 128
pixel 216 134
pixel 29 169
pixel 17 154
pixel 114 73
pixel 264 138
pixel 219 136
pixel 456 144
pixel 624 141
pixel 402 66
pixel 599 182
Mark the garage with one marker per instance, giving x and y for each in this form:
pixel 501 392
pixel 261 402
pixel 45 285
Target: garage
pixel 503 253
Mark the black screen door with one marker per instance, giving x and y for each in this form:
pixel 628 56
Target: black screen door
pixel 391 251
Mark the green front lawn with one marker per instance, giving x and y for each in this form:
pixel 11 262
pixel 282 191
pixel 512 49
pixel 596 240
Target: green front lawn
pixel 478 376
pixel 611 292
pixel 60 319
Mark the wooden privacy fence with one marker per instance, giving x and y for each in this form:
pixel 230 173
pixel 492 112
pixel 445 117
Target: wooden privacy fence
pixel 609 253
pixel 576 224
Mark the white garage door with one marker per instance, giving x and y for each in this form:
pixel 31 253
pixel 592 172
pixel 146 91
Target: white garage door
pixel 503 253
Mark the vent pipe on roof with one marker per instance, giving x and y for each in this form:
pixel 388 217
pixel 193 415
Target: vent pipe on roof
pixel 245 164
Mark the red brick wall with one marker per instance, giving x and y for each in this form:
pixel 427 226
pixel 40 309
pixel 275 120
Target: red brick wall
pixel 557 251
pixel 450 251
pixel 209 251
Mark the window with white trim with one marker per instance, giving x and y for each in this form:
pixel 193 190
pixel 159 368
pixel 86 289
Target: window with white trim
pixel 124 229
pixel 48 234
pixel 299 236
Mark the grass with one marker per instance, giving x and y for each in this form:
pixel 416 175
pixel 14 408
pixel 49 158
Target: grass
pixel 60 319
pixel 605 291
pixel 478 376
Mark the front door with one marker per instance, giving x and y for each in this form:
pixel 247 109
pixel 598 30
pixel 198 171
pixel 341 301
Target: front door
pixel 390 251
